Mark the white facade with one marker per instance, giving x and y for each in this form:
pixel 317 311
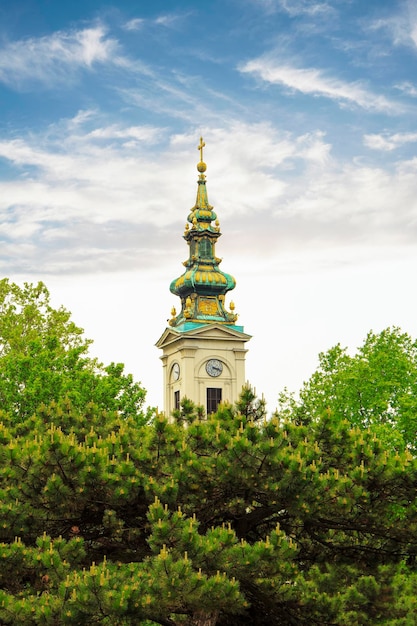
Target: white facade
pixel 208 356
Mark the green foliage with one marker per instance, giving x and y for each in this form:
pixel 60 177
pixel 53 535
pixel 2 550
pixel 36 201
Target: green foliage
pixel 233 519
pixel 376 387
pixel 227 520
pixel 44 358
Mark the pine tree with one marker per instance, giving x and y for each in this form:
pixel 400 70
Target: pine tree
pixel 109 517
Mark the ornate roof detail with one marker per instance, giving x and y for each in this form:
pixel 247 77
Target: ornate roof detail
pixel 203 286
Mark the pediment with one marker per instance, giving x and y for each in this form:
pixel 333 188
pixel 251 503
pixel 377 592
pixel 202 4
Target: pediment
pixel 168 336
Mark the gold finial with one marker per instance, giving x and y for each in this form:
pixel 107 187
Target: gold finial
pixel 200 147
pixel 171 322
pixel 201 167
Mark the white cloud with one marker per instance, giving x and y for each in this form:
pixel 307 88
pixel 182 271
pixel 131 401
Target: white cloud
pixel 305 7
pixel 85 201
pixel 313 82
pixel 313 149
pixel 401 26
pixel 81 118
pixel 296 8
pixel 408 88
pixel 146 134
pixel 387 142
pixel 136 24
pixel 58 56
pixel 166 20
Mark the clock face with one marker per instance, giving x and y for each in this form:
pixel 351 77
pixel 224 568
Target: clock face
pixel 214 367
pixel 175 371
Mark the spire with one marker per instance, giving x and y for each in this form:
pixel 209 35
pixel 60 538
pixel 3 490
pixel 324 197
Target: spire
pixel 203 286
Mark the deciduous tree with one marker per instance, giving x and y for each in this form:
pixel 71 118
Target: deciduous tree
pixel 376 387
pixel 44 357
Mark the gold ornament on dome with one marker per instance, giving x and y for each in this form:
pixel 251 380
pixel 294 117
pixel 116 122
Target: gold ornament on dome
pixel 207 307
pixel 173 314
pixel 187 310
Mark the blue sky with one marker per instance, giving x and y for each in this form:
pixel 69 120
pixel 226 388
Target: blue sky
pixel 309 114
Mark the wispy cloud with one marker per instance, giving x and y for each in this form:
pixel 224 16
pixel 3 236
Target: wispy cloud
pixel 58 56
pixel 305 7
pixel 136 24
pixel 312 81
pixel 167 20
pixel 389 142
pixel 297 8
pixel 146 134
pixel 401 26
pixel 184 97
pixel 408 88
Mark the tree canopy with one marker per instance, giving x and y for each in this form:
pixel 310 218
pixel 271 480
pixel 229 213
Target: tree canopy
pixel 107 517
pixel 375 387
pixel 226 520
pixel 44 358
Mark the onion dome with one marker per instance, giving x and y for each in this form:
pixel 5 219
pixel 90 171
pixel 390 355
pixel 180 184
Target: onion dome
pixel 203 286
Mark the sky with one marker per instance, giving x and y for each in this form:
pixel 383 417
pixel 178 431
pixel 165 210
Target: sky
pixel 309 114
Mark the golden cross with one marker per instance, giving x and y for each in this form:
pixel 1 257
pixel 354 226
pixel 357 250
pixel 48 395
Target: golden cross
pixel 200 147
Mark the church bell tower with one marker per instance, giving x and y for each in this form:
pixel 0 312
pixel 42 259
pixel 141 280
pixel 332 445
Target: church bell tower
pixel 203 348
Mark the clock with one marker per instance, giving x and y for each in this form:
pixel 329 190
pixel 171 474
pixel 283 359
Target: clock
pixel 175 371
pixel 214 367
